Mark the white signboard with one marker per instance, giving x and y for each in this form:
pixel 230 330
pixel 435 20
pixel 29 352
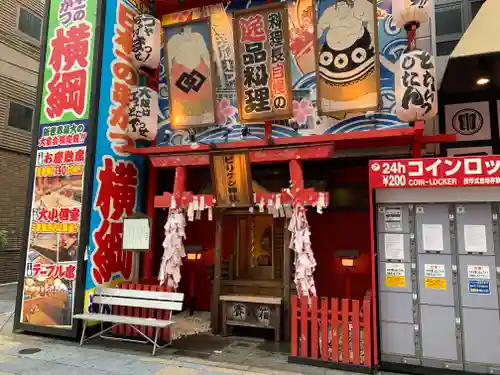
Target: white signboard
pixel 394 269
pixel 469 121
pixel 434 270
pixel 478 272
pixel 475 238
pixel 394 246
pixel 432 237
pixel 136 234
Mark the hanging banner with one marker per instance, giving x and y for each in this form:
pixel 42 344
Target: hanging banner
pixel 190 73
pixel 262 57
pixel 347 67
pixel 117 174
pixel 435 172
pixel 232 178
pixel 47 287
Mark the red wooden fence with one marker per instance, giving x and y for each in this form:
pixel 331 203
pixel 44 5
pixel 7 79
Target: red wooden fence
pixel 142 312
pixel 318 331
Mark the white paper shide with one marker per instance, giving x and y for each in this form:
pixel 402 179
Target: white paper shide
pixel 173 245
pixel 300 243
pixel 406 12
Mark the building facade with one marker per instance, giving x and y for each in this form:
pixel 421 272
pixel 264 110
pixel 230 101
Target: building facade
pixel 453 17
pixel 20 40
pixel 467 107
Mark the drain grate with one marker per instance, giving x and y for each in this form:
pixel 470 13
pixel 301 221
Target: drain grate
pixel 29 351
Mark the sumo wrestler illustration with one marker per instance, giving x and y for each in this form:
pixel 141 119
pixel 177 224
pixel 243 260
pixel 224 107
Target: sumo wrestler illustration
pixel 190 75
pixel 347 56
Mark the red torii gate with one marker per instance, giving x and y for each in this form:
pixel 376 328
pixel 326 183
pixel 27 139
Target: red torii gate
pixel 292 150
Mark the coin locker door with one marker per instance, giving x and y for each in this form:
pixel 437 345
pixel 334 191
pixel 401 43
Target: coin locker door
pixel 396 316
pixel 477 233
pixel 437 287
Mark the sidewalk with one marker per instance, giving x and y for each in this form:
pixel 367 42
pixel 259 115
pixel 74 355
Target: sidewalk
pixel 23 354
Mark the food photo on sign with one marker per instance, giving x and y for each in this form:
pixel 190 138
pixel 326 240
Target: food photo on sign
pixel 48 295
pixel 67 247
pixel 64 191
pixel 44 245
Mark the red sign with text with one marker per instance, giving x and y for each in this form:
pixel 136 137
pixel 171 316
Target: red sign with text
pixel 435 172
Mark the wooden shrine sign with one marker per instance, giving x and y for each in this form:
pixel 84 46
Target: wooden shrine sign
pixel 232 179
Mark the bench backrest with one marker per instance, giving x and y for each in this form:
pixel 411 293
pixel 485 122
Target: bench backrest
pixel 138 298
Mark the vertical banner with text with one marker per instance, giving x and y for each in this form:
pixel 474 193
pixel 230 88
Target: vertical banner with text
pixel 261 43
pixel 231 176
pixel 48 283
pixel 117 174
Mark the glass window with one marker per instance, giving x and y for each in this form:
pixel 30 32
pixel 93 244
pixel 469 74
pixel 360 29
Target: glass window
pixel 20 116
pixel 474 8
pixel 446 48
pixel 29 24
pixel 449 20
pixel 254 259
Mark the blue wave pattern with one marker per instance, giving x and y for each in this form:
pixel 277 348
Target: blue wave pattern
pixel 392 43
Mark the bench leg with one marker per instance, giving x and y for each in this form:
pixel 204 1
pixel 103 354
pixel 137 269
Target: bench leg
pixel 83 332
pixel 155 345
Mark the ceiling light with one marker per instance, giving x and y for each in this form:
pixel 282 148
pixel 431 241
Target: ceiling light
pixel 483 81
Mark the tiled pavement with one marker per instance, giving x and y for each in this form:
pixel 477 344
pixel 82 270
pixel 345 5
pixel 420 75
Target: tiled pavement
pixel 67 358
pixel 101 357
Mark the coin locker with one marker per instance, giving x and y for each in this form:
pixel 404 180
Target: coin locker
pixel 438 267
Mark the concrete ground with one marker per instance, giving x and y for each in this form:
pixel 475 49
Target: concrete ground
pixel 23 354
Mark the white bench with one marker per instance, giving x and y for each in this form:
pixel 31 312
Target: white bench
pixel 131 298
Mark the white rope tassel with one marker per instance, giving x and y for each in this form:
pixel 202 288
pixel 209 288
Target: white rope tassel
pixel 279 206
pixel 300 243
pixel 210 213
pixel 270 207
pixel 190 211
pixel 321 203
pixel 173 249
pixel 261 205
